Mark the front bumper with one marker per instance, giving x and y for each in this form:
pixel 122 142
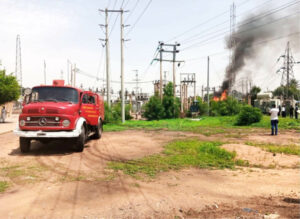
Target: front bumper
pixel 42 134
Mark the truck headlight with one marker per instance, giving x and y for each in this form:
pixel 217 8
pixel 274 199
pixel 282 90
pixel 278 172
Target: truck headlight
pixel 22 122
pixel 66 123
pixel 28 118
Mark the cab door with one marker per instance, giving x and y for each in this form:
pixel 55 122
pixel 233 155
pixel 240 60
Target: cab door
pixel 88 108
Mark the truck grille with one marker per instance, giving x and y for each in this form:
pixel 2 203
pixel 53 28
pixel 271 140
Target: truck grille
pixel 42 121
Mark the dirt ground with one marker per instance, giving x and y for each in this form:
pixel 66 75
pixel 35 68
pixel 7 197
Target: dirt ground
pixel 54 182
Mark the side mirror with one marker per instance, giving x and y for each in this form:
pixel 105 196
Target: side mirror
pixel 27 91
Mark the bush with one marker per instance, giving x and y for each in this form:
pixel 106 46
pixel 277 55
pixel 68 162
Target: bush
pixel 171 106
pixel 154 109
pixel 248 115
pixel 227 107
pixel 114 114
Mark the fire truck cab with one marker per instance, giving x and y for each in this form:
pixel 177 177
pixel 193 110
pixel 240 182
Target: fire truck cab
pixel 60 112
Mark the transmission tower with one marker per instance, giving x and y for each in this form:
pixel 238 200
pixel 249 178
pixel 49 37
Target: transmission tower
pixel 231 38
pixel 136 80
pixel 18 68
pixel 287 69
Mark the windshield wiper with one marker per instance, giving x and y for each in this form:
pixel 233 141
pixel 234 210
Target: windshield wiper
pixel 66 100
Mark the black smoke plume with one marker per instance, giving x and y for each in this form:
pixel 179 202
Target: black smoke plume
pixel 254 34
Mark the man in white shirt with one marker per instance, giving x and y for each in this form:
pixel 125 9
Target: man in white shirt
pixel 274 119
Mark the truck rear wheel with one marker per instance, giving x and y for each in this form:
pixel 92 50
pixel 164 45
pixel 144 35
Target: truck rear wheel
pixel 98 130
pixel 24 144
pixel 80 140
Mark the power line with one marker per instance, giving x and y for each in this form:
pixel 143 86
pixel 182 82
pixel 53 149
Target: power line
pixel 134 7
pixel 282 7
pixel 203 42
pixel 205 22
pixel 140 16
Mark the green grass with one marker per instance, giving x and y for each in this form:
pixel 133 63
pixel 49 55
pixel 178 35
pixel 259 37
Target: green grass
pixel 275 148
pixel 3 186
pixel 206 125
pixel 177 155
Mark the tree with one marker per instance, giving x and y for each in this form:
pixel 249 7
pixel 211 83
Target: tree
pixel 9 88
pixel 171 105
pixel 154 109
pixel 253 93
pixel 293 91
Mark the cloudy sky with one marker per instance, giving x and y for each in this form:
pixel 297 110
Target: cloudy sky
pixel 61 30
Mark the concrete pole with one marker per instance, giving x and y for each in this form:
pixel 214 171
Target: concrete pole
pixel 194 86
pixel 122 68
pixel 160 72
pixel 181 97
pixel 174 70
pixel 107 59
pixel 208 85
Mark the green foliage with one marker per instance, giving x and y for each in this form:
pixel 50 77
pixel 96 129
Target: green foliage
pixel 114 114
pixel 293 91
pixel 202 106
pixel 177 155
pixel 253 93
pixel 227 107
pixel 249 115
pixel 3 186
pixel 167 109
pixel 9 88
pixel 154 109
pixel 275 148
pixel 170 105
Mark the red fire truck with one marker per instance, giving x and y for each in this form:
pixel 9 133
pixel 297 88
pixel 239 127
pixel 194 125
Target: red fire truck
pixel 60 112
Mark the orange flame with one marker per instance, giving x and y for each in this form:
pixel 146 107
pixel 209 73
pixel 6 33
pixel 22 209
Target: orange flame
pixel 223 96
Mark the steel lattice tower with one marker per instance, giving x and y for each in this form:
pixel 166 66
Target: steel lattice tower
pixel 287 68
pixel 231 38
pixel 18 67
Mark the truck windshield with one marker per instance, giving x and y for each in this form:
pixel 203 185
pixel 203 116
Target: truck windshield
pixel 55 94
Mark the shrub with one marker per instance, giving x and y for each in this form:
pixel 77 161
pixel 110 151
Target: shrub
pixel 227 107
pixel 170 105
pixel 114 113
pixel 154 109
pixel 248 115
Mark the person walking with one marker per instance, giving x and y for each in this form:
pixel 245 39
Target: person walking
pixel 283 113
pixel 296 111
pixel 279 112
pixel 291 112
pixel 274 119
pixel 3 114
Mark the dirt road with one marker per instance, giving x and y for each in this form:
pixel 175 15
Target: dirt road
pixel 54 182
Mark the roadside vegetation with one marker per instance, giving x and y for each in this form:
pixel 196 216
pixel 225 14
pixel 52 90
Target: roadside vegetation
pixel 3 186
pixel 275 148
pixel 205 125
pixel 177 155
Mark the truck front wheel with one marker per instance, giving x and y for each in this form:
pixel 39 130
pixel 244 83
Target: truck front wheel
pixel 24 144
pixel 98 130
pixel 80 141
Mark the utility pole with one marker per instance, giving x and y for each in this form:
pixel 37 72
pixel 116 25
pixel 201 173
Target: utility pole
pixel 160 70
pixel 136 81
pixel 174 51
pixel 122 64
pixel 107 56
pixel 45 79
pixel 208 85
pixel 18 69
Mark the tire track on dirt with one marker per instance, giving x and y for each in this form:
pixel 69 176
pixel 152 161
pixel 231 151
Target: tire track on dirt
pixel 126 191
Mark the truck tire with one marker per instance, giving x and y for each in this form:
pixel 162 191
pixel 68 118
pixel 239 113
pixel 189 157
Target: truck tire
pixel 80 140
pixel 98 130
pixel 24 144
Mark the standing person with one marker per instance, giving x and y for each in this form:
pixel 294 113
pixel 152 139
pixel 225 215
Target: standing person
pixel 279 112
pixel 283 113
pixel 3 114
pixel 291 111
pixel 274 119
pixel 296 111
